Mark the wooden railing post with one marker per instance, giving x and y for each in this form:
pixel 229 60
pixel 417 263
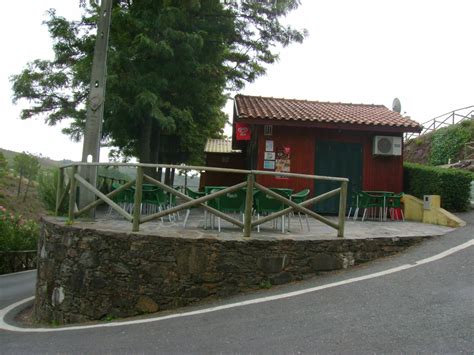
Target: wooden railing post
pixel 138 200
pixel 248 206
pixel 59 190
pixel 72 194
pixel 342 209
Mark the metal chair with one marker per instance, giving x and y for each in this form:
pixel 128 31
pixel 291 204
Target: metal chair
pixel 160 201
pixel 266 204
pixel 394 205
pixel 354 205
pixel 300 197
pixel 370 203
pixel 124 199
pixel 194 195
pixel 231 202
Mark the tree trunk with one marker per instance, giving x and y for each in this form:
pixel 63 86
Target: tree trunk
pixel 26 191
pixel 167 176
pixel 155 148
pixel 144 138
pixel 144 141
pixel 19 184
pixel 172 177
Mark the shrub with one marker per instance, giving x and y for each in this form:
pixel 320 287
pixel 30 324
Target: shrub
pixel 17 233
pixel 47 187
pixel 452 185
pixel 448 143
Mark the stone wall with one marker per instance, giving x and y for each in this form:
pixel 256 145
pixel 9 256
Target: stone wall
pixel 86 274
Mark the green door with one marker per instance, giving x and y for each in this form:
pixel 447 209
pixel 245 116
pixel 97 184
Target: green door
pixel 340 160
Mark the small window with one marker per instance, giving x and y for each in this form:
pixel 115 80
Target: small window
pixel 268 130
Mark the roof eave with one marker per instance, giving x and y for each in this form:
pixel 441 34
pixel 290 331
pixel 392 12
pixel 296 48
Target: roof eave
pixel 331 125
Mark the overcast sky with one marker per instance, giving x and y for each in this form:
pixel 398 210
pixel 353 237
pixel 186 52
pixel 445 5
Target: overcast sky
pixel 364 51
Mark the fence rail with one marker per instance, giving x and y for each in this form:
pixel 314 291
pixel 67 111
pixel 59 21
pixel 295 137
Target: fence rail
pixel 444 120
pixel 14 261
pixel 247 225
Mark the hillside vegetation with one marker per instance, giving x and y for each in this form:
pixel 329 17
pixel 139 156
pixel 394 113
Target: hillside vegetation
pixel 45 162
pixel 32 208
pixel 449 144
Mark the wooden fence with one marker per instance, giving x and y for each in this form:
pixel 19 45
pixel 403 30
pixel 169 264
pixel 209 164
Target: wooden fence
pixel 248 223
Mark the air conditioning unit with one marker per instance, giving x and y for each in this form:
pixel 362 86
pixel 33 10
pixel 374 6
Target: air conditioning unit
pixel 387 145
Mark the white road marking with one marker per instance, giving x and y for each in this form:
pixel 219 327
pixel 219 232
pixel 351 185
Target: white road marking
pixel 4 311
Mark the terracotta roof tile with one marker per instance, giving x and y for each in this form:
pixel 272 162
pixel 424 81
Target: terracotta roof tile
pixel 269 108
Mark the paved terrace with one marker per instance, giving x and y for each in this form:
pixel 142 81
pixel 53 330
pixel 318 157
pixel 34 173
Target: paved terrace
pixel 318 231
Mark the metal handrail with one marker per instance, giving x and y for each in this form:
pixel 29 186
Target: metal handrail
pixel 247 225
pixel 450 118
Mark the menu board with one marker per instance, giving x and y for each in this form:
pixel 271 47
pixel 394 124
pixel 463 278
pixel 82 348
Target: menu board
pixel 283 161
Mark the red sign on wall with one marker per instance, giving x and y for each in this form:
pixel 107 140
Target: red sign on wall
pixel 242 132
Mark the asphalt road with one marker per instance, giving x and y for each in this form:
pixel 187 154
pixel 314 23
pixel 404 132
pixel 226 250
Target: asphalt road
pixel 15 287
pixel 428 308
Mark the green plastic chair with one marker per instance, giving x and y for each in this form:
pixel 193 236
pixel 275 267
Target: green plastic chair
pixel 171 201
pixel 300 197
pixel 231 202
pixel 159 201
pixel 124 199
pixel 370 203
pixel 354 205
pixel 394 204
pixel 266 204
pixel 150 202
pixel 194 195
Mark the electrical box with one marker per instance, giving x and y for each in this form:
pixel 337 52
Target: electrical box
pixel 427 202
pixel 431 201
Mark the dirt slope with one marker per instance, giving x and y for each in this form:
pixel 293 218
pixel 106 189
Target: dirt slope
pixel 31 208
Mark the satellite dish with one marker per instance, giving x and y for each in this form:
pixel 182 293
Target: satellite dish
pixel 396 106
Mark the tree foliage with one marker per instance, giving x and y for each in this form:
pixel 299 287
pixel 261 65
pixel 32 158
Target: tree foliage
pixel 25 166
pixel 171 64
pixel 3 164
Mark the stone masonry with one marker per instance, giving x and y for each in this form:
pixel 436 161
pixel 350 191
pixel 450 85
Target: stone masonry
pixel 86 274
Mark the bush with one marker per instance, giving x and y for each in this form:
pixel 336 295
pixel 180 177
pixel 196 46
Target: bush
pixel 17 233
pixel 47 187
pixel 452 185
pixel 448 143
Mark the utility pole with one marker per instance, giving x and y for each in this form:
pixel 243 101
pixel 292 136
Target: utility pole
pixel 95 104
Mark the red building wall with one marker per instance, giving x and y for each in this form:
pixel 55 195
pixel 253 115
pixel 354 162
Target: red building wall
pixel 219 160
pixel 379 172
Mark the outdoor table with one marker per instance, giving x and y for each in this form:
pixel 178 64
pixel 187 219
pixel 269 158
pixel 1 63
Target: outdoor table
pixel 383 195
pixel 208 189
pixel 147 187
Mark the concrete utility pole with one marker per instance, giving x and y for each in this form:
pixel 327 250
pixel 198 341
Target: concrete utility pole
pixel 95 104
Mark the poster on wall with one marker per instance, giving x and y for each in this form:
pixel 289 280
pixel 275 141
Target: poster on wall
pixel 269 164
pixel 268 146
pixel 283 162
pixel 242 132
pixel 269 156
